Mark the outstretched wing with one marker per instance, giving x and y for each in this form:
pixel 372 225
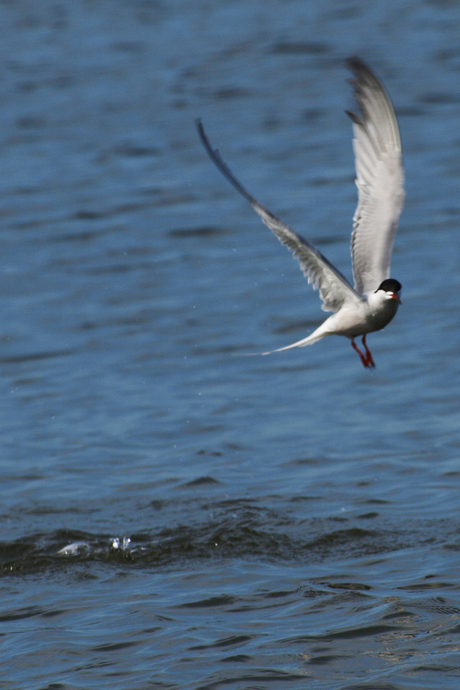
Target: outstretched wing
pixel 333 287
pixel 379 178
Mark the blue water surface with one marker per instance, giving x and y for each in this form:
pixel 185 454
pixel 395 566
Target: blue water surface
pixel 176 514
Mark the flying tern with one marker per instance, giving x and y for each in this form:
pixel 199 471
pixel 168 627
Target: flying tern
pixel 374 300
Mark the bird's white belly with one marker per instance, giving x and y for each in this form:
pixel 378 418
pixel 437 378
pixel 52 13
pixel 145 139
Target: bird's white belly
pixel 352 322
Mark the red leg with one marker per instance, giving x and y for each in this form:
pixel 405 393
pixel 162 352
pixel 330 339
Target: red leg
pixel 370 361
pixel 363 358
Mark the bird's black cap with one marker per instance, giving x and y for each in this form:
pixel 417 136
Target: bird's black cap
pixel 390 285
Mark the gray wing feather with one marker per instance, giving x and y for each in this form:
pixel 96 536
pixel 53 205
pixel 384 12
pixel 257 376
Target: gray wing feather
pixel 333 287
pixel 379 178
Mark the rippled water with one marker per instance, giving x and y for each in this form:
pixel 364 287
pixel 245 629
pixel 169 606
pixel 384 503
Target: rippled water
pixel 175 516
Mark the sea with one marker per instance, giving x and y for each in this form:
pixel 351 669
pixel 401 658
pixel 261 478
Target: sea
pixel 176 514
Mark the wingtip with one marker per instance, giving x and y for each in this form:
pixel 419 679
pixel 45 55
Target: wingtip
pixel 199 125
pixel 363 76
pixel 356 119
pixel 361 70
pixel 356 64
pixel 204 139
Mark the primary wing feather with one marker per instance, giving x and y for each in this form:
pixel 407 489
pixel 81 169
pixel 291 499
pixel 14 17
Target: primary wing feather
pixel 379 178
pixel 333 287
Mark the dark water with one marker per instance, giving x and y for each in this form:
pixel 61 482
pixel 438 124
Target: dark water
pixel 174 516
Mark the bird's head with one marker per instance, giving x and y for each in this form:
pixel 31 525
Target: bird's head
pixel 391 289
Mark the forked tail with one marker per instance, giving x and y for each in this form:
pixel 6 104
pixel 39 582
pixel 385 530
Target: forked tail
pixel 313 338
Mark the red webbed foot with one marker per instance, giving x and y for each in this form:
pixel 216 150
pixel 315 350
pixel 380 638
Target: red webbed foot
pixel 369 358
pixel 366 358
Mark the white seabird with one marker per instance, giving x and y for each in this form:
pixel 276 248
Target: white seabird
pixel 375 298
